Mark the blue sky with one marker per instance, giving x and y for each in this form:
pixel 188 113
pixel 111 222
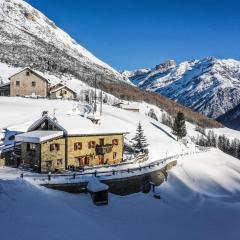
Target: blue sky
pixel 142 33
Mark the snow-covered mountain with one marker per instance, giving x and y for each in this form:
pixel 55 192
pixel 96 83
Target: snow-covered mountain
pixel 210 86
pixel 231 118
pixel 28 38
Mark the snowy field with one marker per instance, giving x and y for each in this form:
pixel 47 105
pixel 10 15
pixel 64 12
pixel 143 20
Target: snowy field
pixel 200 200
pixel 20 113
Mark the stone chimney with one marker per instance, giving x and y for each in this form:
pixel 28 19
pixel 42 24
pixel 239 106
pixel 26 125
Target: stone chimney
pixel 44 113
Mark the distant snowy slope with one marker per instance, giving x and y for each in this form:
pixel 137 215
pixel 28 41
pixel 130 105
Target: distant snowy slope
pixel 27 37
pixel 210 86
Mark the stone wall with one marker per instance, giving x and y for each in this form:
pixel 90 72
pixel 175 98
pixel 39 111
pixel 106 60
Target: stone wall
pixel 85 151
pixel 25 88
pixel 2 161
pixel 63 93
pixel 31 157
pixel 53 160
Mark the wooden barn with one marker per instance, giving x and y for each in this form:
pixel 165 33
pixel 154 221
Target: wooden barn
pixel 5 89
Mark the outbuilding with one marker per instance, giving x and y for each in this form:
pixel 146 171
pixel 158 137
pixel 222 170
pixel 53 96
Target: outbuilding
pixel 5 89
pixel 98 191
pixel 63 92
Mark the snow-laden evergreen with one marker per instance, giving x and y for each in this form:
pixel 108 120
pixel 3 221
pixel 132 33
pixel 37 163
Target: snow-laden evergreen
pixel 140 144
pixel 179 126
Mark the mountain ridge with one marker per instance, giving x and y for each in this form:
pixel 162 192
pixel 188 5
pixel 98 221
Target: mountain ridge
pixel 210 86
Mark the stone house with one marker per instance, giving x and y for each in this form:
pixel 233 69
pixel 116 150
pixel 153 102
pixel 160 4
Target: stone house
pixel 130 107
pixel 63 142
pixel 62 91
pixel 28 82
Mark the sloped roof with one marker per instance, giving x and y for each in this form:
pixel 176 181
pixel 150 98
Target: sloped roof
pixel 62 87
pixel 130 106
pixel 38 136
pixel 94 185
pixel 32 71
pixel 77 125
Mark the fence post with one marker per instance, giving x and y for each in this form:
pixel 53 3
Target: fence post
pixel 49 176
pixel 113 172
pixel 95 173
pixel 74 175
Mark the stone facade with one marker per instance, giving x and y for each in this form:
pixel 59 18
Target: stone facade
pixel 2 161
pixel 31 157
pixel 89 156
pixel 53 160
pixel 26 83
pixel 73 151
pixel 64 93
pixel 41 158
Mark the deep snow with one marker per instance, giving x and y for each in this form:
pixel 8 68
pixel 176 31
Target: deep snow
pixel 200 200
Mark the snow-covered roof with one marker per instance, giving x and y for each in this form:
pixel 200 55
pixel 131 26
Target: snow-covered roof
pixel 78 125
pixel 94 185
pixel 33 71
pixel 38 136
pixel 62 87
pixel 130 106
pixel 4 84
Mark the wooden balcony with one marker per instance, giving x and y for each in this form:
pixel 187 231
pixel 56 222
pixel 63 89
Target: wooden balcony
pixel 103 149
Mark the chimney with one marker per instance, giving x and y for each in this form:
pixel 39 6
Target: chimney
pixel 44 113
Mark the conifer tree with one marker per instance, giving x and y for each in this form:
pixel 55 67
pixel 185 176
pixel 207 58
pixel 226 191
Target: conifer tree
pixel 179 126
pixel 139 141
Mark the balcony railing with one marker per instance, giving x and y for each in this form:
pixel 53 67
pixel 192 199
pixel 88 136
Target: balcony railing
pixel 103 149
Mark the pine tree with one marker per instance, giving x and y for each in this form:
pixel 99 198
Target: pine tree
pixel 179 126
pixel 139 141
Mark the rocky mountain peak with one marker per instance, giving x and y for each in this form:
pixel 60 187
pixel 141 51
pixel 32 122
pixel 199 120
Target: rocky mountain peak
pixel 29 38
pixel 166 65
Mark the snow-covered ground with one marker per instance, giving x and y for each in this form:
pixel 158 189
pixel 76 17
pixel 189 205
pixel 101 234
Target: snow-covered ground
pixel 20 114
pixel 199 201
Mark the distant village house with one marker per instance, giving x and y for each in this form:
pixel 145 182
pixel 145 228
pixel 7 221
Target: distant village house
pixel 62 91
pixel 28 83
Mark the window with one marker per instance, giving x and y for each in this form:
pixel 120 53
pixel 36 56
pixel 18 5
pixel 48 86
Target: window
pixel 54 147
pixel 33 84
pixel 27 73
pixel 114 155
pixel 86 160
pixel 64 92
pixel 59 162
pixel 49 164
pixel 18 83
pixel 11 138
pixel 79 161
pixel 101 141
pixel 77 146
pixel 91 144
pixel 115 142
pixel 31 146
